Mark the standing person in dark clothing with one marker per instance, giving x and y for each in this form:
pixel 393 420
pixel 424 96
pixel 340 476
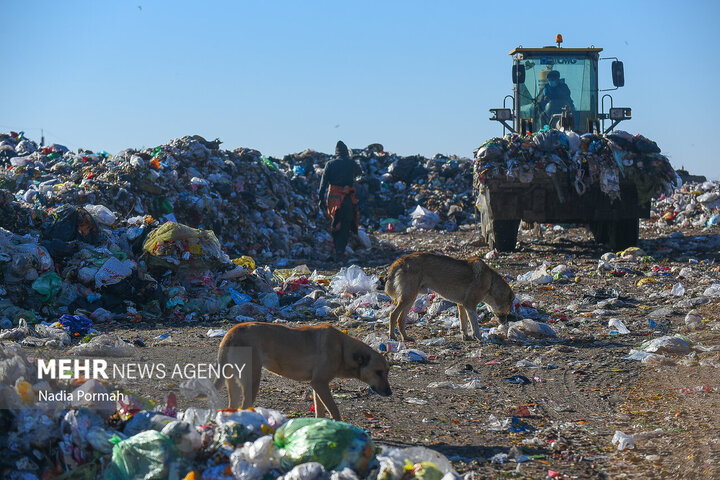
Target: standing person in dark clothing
pixel 340 199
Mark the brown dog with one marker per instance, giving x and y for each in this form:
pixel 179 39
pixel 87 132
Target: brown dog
pixel 313 353
pixel 465 282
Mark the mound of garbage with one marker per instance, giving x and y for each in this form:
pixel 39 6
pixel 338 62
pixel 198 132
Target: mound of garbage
pixel 576 162
pixel 695 204
pixel 256 204
pixel 175 230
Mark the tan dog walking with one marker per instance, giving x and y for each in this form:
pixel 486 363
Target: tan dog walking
pixel 464 282
pixel 316 354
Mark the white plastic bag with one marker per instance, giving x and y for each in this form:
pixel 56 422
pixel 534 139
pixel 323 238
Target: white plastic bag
pixel 618 325
pixel 539 276
pixel 104 346
pixel 364 238
pixel 353 280
pixel 113 271
pixel 255 459
pixel 536 329
pixel 424 218
pixel 102 214
pixel 623 441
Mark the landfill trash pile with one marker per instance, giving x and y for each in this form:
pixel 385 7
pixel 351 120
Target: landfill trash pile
pixel 392 185
pixel 576 163
pixel 120 440
pixel 100 232
pixel 692 205
pixel 256 204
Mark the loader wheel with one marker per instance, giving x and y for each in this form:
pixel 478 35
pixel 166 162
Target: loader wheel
pixel 624 233
pixel 600 231
pixel 505 233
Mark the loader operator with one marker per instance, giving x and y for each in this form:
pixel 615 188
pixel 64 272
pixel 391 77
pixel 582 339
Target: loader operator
pixel 554 96
pixel 341 201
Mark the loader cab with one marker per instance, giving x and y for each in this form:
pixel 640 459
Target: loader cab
pixel 573 78
pixel 556 87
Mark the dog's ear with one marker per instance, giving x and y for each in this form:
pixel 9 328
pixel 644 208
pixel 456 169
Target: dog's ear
pixel 361 358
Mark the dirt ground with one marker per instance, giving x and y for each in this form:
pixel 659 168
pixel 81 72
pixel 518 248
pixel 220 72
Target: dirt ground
pixel 582 393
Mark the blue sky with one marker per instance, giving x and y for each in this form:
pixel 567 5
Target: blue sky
pixel 418 77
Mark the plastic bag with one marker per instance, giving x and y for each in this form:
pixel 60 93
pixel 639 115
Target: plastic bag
pixel 48 285
pixel 423 218
pixel 148 455
pixel 104 346
pixel 307 471
pixel 551 140
pixel 667 344
pixel 254 422
pixel 273 418
pixel 623 441
pixel 78 423
pixel 394 461
pixel 364 238
pixel 539 276
pixel 713 291
pixel 255 459
pixel 693 320
pixel 48 331
pixel 410 355
pixel 245 261
pixel 536 329
pixel 185 437
pixel 618 325
pixel 101 214
pixel 113 271
pixel 201 248
pixel 335 445
pixel 76 324
pixel 353 280
pixel 196 387
pixel 100 439
pixel 93 394
pixel 146 420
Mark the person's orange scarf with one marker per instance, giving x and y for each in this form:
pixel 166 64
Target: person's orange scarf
pixel 335 196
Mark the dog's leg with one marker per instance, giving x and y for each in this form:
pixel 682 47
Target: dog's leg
pixel 404 306
pixel 319 406
pixel 394 321
pixel 472 314
pixel 464 318
pixel 251 384
pixel 322 389
pixel 235 392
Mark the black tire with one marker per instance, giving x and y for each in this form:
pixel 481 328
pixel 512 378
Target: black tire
pixel 506 232
pixel 600 231
pixel 624 233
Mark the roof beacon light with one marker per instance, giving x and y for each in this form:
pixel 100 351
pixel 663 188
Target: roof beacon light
pixel 558 39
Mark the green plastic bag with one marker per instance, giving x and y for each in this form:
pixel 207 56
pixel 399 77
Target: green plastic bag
pixel 149 455
pixel 269 163
pixel 335 445
pixel 48 285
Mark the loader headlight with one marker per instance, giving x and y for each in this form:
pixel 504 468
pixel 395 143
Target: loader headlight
pixel 621 113
pixel 501 114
